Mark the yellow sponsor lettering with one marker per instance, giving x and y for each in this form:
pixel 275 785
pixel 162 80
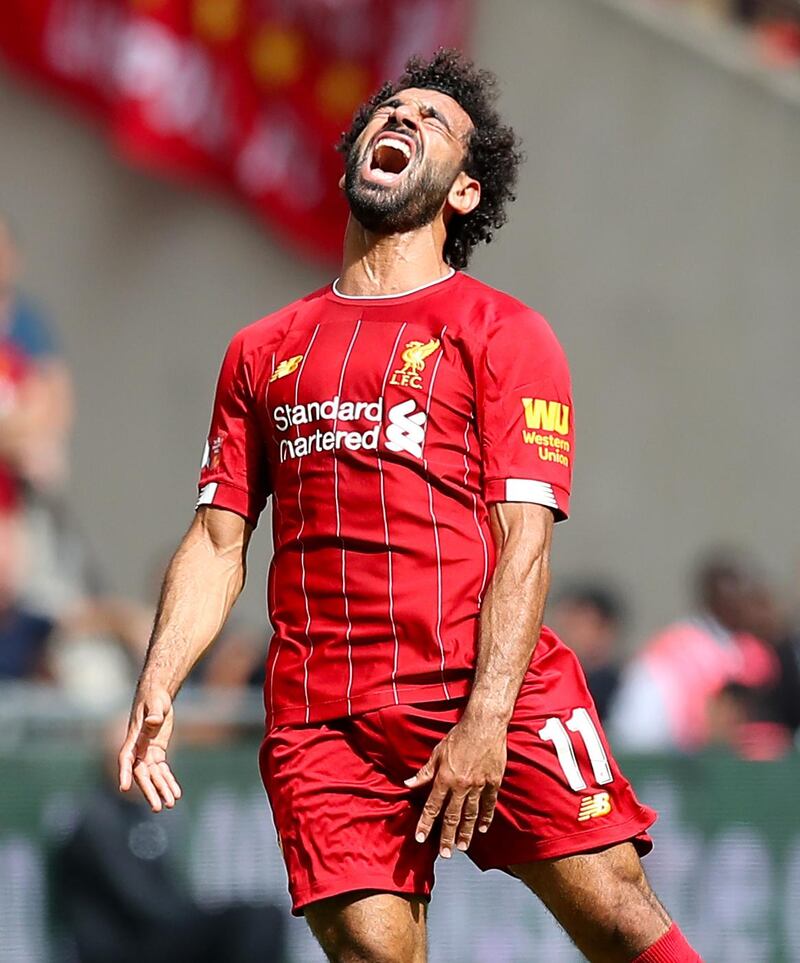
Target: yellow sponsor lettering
pixel 547 454
pixel 550 441
pixel 546 415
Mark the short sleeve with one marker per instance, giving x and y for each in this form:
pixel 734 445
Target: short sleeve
pixel 525 416
pixel 234 473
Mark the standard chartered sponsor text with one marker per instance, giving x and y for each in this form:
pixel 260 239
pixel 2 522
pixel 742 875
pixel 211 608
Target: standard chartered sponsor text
pixel 335 410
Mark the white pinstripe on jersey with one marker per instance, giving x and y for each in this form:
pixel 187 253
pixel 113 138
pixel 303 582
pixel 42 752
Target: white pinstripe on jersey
pixel 475 515
pixel 386 523
pixel 275 528
pixel 349 628
pixel 433 517
pixel 300 533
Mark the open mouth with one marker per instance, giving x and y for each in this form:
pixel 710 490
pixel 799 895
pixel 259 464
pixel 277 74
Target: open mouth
pixel 390 156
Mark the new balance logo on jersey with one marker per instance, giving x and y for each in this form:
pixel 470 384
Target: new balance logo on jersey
pixel 594 806
pixel 406 428
pixel 287 367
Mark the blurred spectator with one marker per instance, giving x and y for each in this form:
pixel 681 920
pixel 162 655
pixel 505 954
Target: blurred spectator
pixel 739 721
pixel 779 703
pixel 589 616
pixel 35 430
pixel 775 25
pixel 35 419
pixel 236 660
pixel 23 634
pixel 19 410
pixel 119 898
pixel 730 711
pixel 61 590
pixel 667 690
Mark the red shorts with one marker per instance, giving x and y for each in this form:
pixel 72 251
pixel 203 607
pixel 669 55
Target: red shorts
pixel 346 822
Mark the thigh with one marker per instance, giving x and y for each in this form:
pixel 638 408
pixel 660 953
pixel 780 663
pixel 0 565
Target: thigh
pixel 370 928
pixel 344 824
pixel 602 900
pixel 563 792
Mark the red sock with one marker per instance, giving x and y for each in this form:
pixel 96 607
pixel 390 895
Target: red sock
pixel 671 948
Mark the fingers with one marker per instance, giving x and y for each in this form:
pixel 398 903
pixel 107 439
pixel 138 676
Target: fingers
pixel 424 776
pixel 125 768
pixel 127 755
pixel 141 773
pixel 141 757
pixel 469 816
pixel 488 802
pixel 158 784
pixel 158 779
pixel 450 823
pixel 430 811
pixel 464 811
pixel 173 783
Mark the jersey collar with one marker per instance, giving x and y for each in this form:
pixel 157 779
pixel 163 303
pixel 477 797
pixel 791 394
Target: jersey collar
pixel 390 297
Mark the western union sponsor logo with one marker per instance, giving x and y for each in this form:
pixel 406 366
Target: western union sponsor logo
pixel 546 441
pixel 541 415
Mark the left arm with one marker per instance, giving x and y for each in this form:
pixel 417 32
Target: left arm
pixel 467 766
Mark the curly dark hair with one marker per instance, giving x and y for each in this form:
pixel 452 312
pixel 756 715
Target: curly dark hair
pixel 492 154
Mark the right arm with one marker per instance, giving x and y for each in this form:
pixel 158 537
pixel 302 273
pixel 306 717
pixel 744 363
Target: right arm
pixel 203 581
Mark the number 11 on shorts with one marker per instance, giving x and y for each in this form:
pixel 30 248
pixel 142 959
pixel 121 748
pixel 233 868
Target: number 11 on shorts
pixel 580 722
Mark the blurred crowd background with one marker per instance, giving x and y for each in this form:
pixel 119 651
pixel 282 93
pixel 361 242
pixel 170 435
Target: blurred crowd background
pixel 657 227
pixel 775 25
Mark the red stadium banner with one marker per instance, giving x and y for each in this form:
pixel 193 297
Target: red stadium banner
pixel 249 95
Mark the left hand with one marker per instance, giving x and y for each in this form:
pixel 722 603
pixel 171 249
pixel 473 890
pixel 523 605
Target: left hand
pixel 466 769
pixel 143 756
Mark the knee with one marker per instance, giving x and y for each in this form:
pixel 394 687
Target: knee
pixel 344 943
pixel 627 909
pixel 345 947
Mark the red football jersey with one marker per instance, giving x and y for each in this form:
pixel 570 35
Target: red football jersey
pixel 383 428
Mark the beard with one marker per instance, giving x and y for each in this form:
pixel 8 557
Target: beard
pixel 396 209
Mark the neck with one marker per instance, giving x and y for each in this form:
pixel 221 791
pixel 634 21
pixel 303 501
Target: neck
pixel 393 263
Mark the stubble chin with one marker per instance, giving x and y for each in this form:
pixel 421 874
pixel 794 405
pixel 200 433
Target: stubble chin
pixel 378 209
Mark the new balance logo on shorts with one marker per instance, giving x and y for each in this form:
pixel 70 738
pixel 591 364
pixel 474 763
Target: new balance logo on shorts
pixel 594 806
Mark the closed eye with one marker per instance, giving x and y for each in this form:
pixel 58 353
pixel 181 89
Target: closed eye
pixel 387 106
pixel 426 110
pixel 431 113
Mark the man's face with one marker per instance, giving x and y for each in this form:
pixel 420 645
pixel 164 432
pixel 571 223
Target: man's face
pixel 730 599
pixel 400 170
pixel 585 630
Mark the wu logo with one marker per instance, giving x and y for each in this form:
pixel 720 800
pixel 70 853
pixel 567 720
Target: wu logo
pixel 547 415
pixel 406 428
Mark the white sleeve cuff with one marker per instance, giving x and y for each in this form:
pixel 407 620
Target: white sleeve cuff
pixel 207 494
pixel 535 492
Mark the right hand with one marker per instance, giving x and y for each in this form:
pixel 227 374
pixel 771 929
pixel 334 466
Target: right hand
pixel 143 756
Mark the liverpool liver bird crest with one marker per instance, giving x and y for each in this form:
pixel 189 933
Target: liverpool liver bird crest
pixel 413 358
